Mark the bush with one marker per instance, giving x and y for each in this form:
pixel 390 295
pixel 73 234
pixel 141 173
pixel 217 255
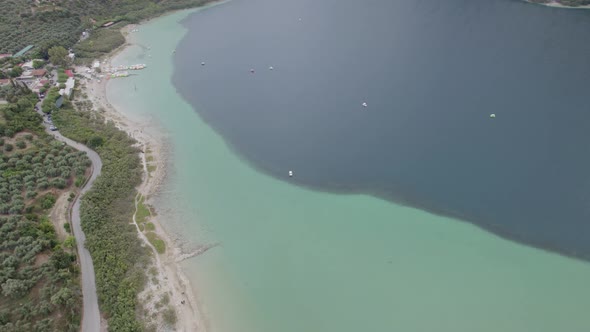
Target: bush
pixel 47 201
pixel 8 147
pixel 21 144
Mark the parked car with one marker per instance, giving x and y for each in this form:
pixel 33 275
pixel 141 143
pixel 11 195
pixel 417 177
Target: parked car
pixel 53 128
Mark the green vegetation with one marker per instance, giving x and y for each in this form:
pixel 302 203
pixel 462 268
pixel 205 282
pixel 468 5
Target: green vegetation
pixel 119 259
pixel 51 97
pixel 158 243
pixel 38 279
pixel 143 211
pixel 40 291
pixel 100 42
pixel 58 55
pixel 61 22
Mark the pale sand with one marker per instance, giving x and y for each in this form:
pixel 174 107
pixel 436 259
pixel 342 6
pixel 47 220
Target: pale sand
pixel 169 277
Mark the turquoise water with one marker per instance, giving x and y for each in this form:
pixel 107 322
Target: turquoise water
pixel 292 259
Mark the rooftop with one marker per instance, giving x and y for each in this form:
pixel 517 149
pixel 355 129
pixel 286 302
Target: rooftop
pixel 23 51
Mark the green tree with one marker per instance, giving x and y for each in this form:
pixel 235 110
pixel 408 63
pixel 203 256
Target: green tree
pixel 38 64
pixel 70 242
pixel 16 71
pixel 58 55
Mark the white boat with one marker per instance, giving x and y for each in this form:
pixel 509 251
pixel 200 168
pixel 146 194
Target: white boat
pixel 290 173
pixel 493 115
pixel 364 104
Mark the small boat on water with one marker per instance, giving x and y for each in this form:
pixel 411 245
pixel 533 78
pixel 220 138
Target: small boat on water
pixel 271 67
pixel 365 104
pixel 493 115
pixel 290 173
pixel 252 71
pixel 202 63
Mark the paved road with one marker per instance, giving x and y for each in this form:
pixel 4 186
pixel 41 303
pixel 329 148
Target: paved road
pixel 90 315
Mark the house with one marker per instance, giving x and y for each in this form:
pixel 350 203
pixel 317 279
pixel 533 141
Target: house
pixel 69 73
pixel 26 76
pixel 27 65
pixel 38 73
pixel 67 91
pixel 23 51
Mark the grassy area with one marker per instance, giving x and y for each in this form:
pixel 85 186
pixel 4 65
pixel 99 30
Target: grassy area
pixel 143 212
pixel 151 169
pixel 158 243
pixel 150 226
pixel 99 43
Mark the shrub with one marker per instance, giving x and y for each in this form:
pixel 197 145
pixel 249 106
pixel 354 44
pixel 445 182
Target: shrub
pixel 21 144
pixel 47 201
pixel 8 147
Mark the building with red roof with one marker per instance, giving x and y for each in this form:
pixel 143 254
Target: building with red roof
pixel 69 73
pixel 39 72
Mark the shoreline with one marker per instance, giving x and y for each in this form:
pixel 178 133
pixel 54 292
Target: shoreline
pixel 170 278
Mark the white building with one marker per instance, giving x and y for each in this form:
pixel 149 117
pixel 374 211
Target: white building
pixel 67 91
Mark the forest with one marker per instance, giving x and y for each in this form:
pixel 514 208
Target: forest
pixel 61 22
pixel 39 278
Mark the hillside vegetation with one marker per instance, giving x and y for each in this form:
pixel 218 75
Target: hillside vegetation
pixel 39 280
pixel 106 212
pixel 61 22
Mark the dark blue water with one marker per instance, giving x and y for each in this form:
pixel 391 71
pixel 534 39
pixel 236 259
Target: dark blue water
pixel 431 73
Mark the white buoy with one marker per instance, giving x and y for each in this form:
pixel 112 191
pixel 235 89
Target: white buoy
pixel 271 67
pixel 291 173
pixel 493 115
pixel 364 104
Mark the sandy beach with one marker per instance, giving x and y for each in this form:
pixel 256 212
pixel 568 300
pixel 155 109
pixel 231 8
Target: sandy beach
pixel 165 278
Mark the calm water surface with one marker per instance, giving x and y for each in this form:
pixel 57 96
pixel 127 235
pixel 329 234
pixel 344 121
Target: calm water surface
pixel 431 73
pixel 293 259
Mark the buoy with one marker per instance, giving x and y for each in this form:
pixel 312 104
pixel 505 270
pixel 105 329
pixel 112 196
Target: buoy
pixel 252 71
pixel 271 68
pixel 291 173
pixel 493 115
pixel 202 63
pixel 364 104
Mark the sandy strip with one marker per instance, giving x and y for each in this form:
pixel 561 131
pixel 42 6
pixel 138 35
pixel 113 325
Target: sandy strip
pixel 169 277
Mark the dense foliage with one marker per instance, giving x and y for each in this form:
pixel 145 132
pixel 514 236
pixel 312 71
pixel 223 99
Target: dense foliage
pixel 61 22
pixel 39 289
pixel 106 211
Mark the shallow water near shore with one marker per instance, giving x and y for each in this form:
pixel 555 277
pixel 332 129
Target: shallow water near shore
pixel 293 259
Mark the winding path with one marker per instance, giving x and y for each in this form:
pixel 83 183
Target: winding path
pixel 90 314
